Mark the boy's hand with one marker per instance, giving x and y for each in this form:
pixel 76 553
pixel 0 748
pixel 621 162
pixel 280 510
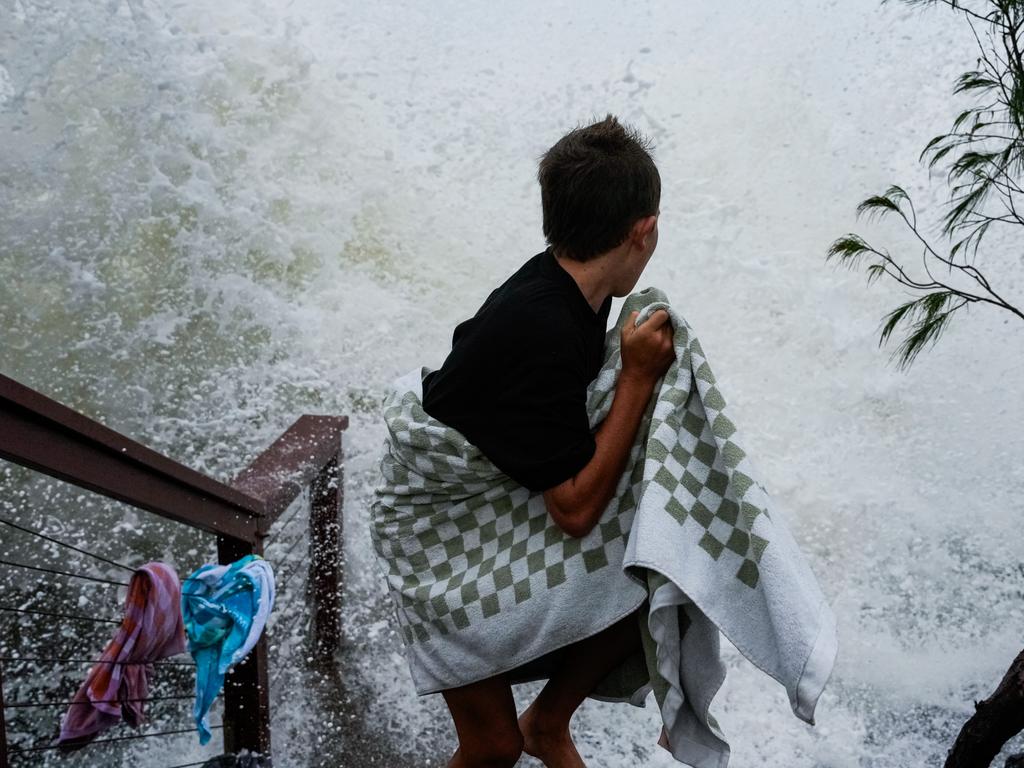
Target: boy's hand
pixel 647 350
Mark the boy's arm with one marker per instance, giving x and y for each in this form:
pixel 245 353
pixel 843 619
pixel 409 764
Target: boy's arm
pixel 647 352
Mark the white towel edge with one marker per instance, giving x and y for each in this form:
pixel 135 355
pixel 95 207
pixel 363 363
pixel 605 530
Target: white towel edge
pixel 818 667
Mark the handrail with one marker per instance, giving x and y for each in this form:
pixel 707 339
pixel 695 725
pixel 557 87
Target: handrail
pixel 44 435
pixel 279 474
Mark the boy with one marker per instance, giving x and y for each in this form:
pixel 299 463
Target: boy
pixel 515 386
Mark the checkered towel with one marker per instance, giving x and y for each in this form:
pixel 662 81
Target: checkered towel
pixel 483 581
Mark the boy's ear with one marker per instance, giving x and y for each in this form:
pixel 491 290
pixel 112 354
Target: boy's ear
pixel 642 228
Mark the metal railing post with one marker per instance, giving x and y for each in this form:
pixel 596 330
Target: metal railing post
pixel 246 687
pixel 325 520
pixel 3 722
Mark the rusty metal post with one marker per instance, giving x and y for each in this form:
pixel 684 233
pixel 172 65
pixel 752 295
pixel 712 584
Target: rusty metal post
pixel 246 687
pixel 325 520
pixel 3 722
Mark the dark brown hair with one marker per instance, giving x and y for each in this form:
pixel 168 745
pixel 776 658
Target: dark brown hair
pixel 595 182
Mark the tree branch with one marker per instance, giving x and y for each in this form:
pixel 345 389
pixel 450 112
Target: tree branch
pixel 995 721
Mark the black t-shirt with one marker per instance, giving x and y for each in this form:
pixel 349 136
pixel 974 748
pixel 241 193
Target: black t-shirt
pixel 515 382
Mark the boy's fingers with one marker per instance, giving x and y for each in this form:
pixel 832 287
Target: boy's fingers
pixel 657 319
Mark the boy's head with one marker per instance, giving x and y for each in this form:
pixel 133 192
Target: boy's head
pixel 595 183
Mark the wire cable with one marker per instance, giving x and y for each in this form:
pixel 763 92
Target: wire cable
pixel 283 526
pixel 281 558
pixel 281 667
pixel 159 662
pixel 60 615
pixel 285 580
pixel 48 747
pixel 72 547
pixel 63 573
pixel 69 546
pixel 34 704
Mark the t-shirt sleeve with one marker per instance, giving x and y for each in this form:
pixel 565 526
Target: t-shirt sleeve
pixel 540 433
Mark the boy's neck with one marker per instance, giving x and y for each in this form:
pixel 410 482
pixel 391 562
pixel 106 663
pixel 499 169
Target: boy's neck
pixel 594 277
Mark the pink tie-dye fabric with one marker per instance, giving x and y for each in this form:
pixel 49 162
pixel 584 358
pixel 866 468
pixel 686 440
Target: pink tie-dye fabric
pixel 118 686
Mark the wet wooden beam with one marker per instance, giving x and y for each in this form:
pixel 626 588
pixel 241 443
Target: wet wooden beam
pixel 246 686
pixel 306 453
pixel 3 723
pixel 279 474
pixel 325 530
pixel 46 436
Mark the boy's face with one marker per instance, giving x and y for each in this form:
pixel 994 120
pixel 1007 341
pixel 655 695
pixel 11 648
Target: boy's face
pixel 643 241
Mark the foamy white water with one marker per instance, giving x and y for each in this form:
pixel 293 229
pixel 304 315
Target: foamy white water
pixel 215 217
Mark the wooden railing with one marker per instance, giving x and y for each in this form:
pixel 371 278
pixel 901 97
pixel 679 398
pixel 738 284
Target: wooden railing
pixel 44 435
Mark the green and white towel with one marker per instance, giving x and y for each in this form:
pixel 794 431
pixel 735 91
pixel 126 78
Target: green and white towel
pixel 483 581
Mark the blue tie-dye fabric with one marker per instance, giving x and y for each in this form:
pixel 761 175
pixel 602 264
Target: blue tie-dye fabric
pixel 225 608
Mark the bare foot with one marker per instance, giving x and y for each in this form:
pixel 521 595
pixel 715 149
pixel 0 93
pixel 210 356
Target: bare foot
pixel 548 742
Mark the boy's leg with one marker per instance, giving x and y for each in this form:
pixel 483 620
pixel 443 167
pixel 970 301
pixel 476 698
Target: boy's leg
pixel 545 723
pixel 484 713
